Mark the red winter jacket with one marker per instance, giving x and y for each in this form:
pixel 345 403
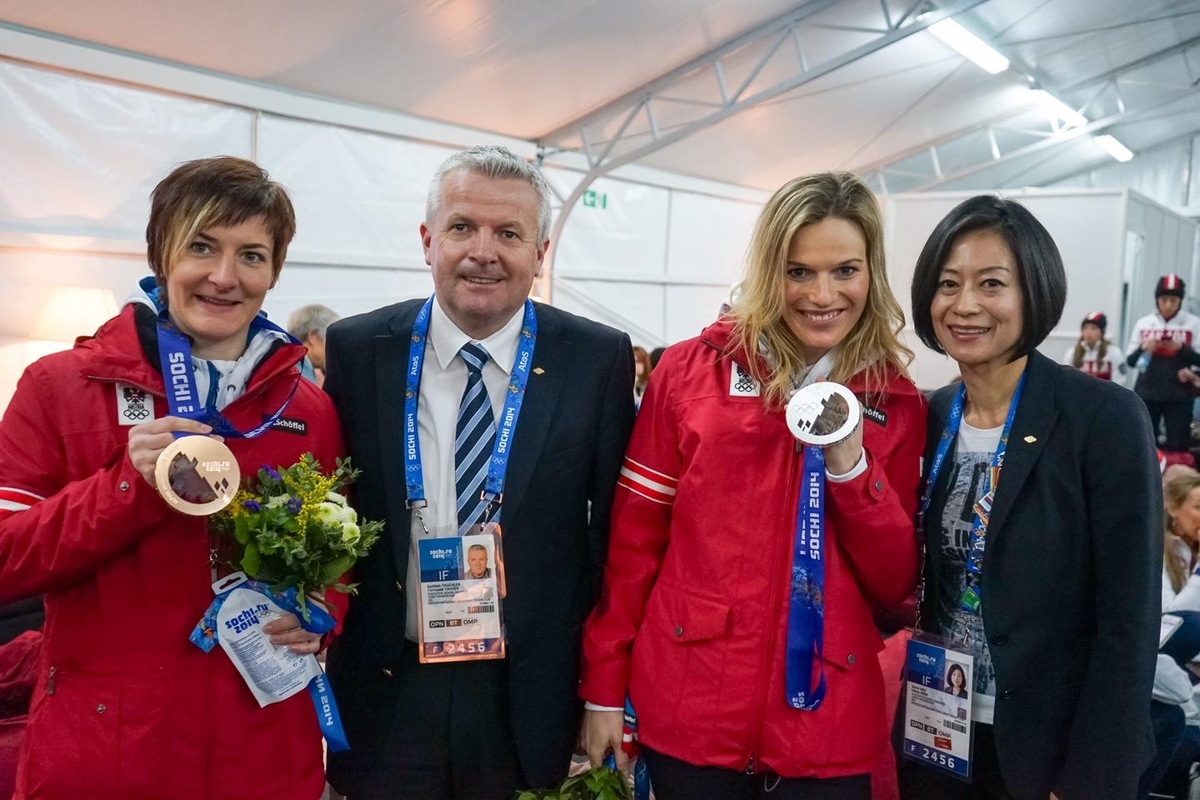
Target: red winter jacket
pixel 692 619
pixel 125 707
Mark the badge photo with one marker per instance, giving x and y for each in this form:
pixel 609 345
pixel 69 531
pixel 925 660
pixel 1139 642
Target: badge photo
pixel 197 475
pixel 823 414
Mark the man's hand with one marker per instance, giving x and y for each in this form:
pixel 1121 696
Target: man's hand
pixel 147 441
pixel 600 733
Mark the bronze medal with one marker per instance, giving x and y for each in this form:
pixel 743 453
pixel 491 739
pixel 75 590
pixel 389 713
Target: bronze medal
pixel 197 475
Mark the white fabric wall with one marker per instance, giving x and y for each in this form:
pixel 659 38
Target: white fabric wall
pixel 1162 174
pixel 79 157
pixel 655 262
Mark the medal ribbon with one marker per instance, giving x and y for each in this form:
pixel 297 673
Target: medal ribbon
pixel 806 606
pixel 179 379
pixel 971 598
pixel 513 399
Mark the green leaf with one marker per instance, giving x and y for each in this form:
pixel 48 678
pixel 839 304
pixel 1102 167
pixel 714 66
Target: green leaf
pixel 241 530
pixel 251 560
pixel 335 569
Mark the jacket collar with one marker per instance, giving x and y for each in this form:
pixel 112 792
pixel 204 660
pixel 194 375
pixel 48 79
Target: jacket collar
pixel 125 349
pixel 1037 414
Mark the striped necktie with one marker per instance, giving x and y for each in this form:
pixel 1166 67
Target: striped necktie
pixel 474 435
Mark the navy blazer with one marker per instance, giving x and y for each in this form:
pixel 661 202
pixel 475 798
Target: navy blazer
pixel 1070 585
pixel 567 452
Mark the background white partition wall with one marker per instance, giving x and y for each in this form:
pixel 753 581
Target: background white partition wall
pixel 79 157
pixel 1114 244
pixel 651 261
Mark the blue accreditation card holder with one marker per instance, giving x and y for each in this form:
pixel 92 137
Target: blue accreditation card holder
pixel 462 585
pixel 937 705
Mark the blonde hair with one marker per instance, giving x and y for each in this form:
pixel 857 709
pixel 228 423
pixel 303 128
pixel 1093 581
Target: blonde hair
pixel 1178 482
pixel 759 313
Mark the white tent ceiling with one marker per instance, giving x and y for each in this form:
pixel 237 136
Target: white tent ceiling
pixel 523 68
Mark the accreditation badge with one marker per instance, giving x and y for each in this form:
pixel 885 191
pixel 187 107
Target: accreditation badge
pixel 197 475
pixel 462 586
pixel 938 682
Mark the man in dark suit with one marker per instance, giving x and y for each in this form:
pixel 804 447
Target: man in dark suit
pixel 482 728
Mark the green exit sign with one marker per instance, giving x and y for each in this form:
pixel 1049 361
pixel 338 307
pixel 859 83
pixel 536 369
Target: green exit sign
pixel 594 199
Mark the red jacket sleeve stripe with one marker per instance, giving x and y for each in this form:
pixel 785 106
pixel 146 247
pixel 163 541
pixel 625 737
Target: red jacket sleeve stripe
pixel 646 482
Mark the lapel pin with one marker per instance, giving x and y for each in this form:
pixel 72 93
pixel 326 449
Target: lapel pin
pixel 1030 439
pixel 538 371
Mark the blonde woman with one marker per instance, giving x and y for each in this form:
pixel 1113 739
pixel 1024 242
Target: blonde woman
pixel 693 621
pixel 1181 534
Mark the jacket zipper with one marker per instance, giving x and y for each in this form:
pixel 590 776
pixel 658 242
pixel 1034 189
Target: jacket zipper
pixel 146 389
pixel 751 766
pixel 50 680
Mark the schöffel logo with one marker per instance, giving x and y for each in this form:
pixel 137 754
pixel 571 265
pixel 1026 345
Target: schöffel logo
pixel 875 415
pixel 296 426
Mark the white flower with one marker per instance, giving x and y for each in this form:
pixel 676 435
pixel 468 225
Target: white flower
pixel 334 497
pixel 329 513
pixel 277 501
pixel 350 534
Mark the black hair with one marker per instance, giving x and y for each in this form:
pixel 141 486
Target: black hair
pixel 1040 272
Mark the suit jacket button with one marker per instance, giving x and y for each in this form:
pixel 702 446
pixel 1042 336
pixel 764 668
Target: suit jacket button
pixel 387 673
pixel 679 630
pixel 100 709
pixel 399 586
pixel 850 658
pixel 1008 694
pixel 1000 639
pixel 124 487
pixel 879 486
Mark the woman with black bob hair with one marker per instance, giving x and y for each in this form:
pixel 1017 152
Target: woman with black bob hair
pixel 1052 589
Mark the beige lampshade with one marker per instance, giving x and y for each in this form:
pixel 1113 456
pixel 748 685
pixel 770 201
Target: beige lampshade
pixel 74 311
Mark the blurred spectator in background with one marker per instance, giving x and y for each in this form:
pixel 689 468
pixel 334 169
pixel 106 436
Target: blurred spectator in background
pixel 308 324
pixel 1161 346
pixel 641 364
pixel 1093 354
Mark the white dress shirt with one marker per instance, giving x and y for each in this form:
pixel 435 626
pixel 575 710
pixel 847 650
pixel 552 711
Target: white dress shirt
pixel 443 381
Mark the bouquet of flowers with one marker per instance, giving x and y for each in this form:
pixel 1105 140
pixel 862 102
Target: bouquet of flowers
pixel 599 783
pixel 296 530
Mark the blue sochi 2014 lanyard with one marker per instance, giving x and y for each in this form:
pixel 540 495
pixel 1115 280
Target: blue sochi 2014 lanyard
pixel 806 607
pixel 513 398
pixel 179 379
pixel 972 596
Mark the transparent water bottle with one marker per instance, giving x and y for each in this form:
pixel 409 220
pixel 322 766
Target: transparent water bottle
pixel 1143 362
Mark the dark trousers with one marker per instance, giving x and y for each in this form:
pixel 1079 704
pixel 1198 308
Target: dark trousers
pixel 1169 728
pixel 451 737
pixel 673 779
pixel 1176 421
pixel 921 782
pixel 1174 781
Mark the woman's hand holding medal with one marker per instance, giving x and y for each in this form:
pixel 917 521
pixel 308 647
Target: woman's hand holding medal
pixel 828 415
pixel 146 442
pixel 842 457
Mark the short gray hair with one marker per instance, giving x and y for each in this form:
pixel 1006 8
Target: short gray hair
pixel 497 163
pixel 315 317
